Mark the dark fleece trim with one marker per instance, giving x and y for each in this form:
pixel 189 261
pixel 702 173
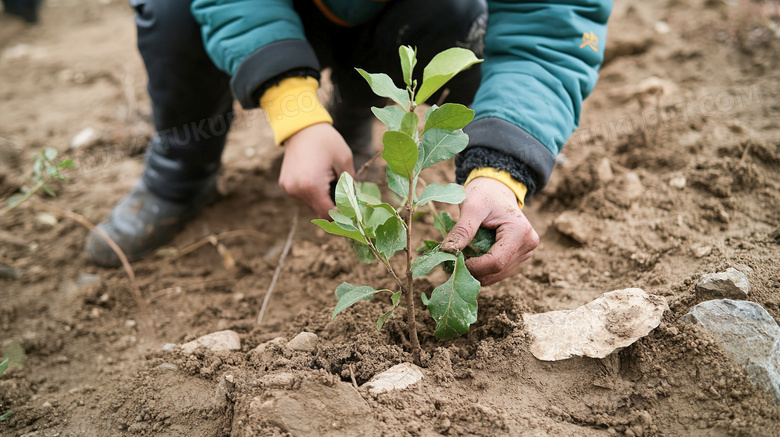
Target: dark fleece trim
pixel 509 140
pixel 479 157
pixel 267 63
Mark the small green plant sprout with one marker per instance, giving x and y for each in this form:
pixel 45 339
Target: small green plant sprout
pixel 44 170
pixel 3 366
pixel 378 230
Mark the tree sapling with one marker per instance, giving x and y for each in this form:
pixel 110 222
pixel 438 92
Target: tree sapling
pixel 378 230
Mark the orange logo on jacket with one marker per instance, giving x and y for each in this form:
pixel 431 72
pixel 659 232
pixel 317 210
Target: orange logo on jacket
pixel 590 40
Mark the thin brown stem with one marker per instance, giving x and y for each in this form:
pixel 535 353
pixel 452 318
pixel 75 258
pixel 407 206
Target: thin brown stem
pixel 409 289
pixel 364 168
pixel 80 219
pixel 279 268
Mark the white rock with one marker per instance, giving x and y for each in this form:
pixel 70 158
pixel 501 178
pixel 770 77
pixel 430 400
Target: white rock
pixel 604 171
pixel 169 348
pixel 46 219
pixel 304 342
pixel 216 341
pixel 678 182
pixel 86 138
pixel 397 377
pixel 615 320
pixel 731 284
pixel 702 251
pixel 662 27
pixel 633 187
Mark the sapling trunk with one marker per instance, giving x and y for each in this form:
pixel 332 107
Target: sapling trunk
pixel 410 318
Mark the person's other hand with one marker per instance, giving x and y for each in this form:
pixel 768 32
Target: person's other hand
pixel 491 204
pixel 313 158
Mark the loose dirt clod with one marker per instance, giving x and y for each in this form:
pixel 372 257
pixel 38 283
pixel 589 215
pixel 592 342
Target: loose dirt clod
pixel 304 342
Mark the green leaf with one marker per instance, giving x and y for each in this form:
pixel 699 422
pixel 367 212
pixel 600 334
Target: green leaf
pixel 4 365
pixel 335 229
pixel 369 188
pixel 450 193
pixel 397 183
pixel 383 86
pixel 346 200
pixel 342 220
pixel 349 295
pixel 49 154
pixel 481 243
pixel 391 116
pixel 37 167
pixel 15 199
pixel 443 222
pixel 429 111
pixel 442 68
pixel 378 217
pixel 390 237
pixel 396 298
pixel 426 262
pixel 49 190
pixel 427 245
pixel 6 416
pixel 439 145
pixel 451 116
pixel 400 152
pixel 382 319
pixel 453 304
pixel 408 62
pixel 363 252
pixel 409 124
pixel 424 298
pixel 66 164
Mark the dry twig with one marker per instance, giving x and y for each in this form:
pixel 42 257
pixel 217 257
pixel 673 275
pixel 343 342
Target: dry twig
pixel 213 238
pixel 364 168
pixel 80 219
pixel 279 267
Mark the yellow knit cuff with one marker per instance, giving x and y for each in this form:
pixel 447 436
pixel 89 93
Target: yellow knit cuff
pixel 293 105
pixel 502 176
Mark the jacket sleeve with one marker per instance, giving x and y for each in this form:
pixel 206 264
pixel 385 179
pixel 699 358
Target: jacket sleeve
pixel 254 41
pixel 541 61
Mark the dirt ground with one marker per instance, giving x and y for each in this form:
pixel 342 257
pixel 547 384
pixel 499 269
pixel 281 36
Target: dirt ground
pixel 707 75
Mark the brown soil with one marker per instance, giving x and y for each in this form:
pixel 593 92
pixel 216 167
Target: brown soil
pixel 91 368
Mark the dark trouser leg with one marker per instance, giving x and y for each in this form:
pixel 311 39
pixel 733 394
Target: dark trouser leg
pixel 432 26
pixel 191 100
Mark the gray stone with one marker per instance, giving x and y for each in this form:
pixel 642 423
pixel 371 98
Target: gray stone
pixel 170 347
pixel 747 332
pixel 216 341
pixel 615 320
pixel 9 272
pixel 304 342
pixel 86 138
pixel 731 284
pixel 397 377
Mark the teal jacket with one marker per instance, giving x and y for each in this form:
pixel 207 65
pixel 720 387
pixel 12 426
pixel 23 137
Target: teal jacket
pixel 541 61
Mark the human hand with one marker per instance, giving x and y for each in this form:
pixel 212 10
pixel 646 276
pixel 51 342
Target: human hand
pixel 313 158
pixel 491 204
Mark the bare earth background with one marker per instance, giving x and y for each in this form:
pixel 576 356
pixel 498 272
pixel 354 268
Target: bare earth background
pixel 90 369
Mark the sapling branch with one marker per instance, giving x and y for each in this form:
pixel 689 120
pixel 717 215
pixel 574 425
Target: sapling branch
pixel 416 352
